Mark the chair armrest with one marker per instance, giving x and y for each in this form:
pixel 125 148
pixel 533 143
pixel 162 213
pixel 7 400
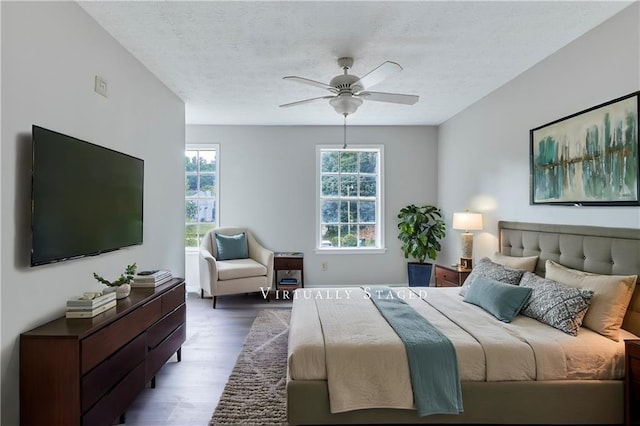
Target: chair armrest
pixel 208 271
pixel 262 255
pixel 206 254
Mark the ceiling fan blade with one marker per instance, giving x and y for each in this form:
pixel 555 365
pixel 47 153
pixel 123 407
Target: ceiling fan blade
pixel 395 98
pixel 375 76
pixel 306 101
pixel 311 83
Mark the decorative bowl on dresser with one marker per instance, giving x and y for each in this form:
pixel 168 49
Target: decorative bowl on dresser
pixel 88 371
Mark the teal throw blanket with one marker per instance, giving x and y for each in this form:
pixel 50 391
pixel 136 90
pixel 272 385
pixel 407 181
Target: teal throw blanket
pixel 432 358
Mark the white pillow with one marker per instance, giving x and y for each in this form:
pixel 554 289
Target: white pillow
pixel 611 296
pixel 527 263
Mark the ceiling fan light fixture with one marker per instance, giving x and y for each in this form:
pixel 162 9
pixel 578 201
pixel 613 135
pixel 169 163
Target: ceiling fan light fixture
pixel 345 104
pixel 348 90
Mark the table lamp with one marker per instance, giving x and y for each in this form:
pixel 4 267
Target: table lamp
pixel 466 222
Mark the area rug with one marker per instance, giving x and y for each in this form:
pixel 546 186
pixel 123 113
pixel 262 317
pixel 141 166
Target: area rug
pixel 255 393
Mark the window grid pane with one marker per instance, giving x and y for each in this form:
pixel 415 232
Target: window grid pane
pixel 200 194
pixel 349 193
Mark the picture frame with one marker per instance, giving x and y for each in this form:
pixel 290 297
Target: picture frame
pixel 466 263
pixel 590 158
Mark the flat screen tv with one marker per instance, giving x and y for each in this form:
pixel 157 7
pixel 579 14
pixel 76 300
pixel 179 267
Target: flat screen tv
pixel 85 199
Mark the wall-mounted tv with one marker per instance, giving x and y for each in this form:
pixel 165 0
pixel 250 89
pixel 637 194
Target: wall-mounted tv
pixel 85 199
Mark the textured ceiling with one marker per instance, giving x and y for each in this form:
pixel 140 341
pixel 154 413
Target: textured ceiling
pixel 226 59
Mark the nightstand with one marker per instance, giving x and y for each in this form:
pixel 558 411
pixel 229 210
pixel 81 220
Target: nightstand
pixel 450 276
pixel 288 271
pixel 632 382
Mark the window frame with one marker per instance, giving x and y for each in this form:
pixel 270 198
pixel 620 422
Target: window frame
pixel 205 147
pixel 380 204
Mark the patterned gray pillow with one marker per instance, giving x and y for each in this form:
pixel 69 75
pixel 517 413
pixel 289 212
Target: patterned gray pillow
pixel 488 269
pixel 557 305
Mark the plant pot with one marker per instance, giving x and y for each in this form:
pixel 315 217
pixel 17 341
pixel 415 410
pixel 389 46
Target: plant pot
pixel 419 274
pixel 123 291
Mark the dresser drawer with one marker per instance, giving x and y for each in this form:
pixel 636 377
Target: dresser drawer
pixel 442 283
pixel 446 278
pixel 117 400
pixel 172 299
pixel 103 343
pixel 161 353
pixel 160 330
pixel 102 378
pixel 634 369
pixel 633 349
pixel 287 263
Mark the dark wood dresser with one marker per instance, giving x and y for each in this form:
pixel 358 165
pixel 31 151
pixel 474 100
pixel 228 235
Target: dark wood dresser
pixel 88 371
pixel 632 382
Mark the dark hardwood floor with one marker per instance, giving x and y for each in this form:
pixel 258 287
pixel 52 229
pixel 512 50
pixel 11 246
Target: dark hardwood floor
pixel 187 392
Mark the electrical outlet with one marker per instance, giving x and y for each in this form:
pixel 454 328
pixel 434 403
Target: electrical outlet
pixel 100 86
pixel 324 265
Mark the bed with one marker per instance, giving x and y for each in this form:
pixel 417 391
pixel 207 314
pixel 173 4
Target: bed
pixel 574 399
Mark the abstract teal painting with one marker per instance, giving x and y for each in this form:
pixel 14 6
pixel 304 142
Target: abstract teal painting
pixel 588 158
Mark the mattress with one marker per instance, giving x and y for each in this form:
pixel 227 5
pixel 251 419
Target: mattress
pixel 486 348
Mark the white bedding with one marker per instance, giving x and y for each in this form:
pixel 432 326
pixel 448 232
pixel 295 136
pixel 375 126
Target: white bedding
pixel 486 348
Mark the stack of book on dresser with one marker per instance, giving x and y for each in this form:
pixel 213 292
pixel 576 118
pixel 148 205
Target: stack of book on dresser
pixel 151 278
pixel 90 305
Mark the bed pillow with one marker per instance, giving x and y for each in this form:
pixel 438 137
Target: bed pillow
pixel 527 263
pixel 611 296
pixel 232 246
pixel 560 306
pixel 488 269
pixel 503 301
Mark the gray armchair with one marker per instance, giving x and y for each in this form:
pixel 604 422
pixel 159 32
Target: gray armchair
pixel 225 277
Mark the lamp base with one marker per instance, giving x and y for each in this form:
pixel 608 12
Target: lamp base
pixel 466 263
pixel 467 245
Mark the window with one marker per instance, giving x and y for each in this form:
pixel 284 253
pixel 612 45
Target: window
pixel 201 165
pixel 350 198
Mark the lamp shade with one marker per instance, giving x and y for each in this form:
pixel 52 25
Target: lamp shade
pixel 467 221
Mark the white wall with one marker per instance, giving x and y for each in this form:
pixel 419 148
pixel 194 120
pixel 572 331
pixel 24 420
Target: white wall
pixel 483 152
pixel 51 52
pixel 267 183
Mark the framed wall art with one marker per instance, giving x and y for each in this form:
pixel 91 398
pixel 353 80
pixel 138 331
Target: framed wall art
pixel 589 158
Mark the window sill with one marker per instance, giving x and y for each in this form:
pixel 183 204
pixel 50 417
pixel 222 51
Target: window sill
pixel 334 250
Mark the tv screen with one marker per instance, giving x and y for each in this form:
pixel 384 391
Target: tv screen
pixel 85 199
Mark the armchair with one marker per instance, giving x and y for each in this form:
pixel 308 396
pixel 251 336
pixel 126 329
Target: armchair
pixel 235 276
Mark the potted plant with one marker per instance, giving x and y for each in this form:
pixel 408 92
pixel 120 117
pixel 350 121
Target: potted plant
pixel 420 229
pixel 122 285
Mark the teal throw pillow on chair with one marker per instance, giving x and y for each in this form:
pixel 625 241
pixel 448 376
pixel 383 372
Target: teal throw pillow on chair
pixel 232 246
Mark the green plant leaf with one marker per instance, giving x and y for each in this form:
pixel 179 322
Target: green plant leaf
pixel 420 229
pixel 125 278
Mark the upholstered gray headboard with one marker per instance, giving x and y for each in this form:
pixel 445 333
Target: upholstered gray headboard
pixel 610 251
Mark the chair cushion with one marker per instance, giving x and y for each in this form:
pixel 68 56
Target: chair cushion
pixel 232 246
pixel 239 268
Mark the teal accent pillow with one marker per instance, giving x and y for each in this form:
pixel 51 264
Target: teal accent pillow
pixel 232 246
pixel 503 301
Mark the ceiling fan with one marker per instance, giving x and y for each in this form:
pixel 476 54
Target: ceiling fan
pixel 349 91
